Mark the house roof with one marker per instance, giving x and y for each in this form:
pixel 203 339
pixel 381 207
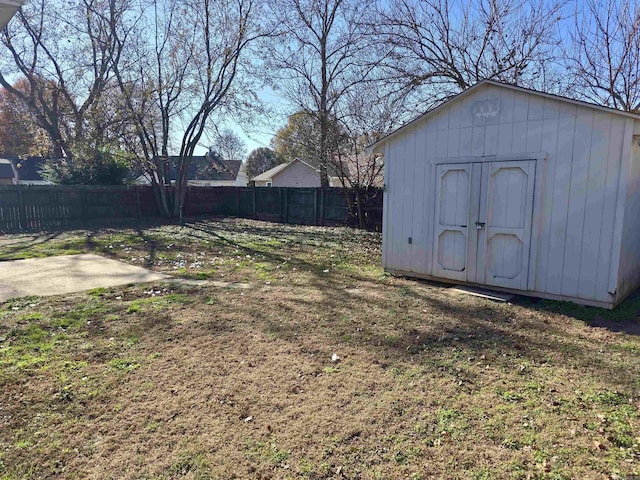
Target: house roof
pixel 205 168
pixel 29 168
pixel 272 172
pixel 6 169
pixel 373 147
pixel 8 8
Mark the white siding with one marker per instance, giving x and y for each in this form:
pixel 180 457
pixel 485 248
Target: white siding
pixel 577 186
pixel 296 175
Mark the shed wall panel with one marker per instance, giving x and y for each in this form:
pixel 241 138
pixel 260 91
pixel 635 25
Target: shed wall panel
pixel 396 162
pixel 385 204
pixel 545 190
pixel 596 178
pixel 419 251
pixel 408 203
pixel 614 156
pixel 559 204
pixel 577 197
pixel 629 269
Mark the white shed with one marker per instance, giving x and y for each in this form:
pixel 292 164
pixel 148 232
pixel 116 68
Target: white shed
pixel 519 191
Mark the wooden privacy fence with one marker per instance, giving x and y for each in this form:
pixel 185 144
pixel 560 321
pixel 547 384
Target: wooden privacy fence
pixel 47 207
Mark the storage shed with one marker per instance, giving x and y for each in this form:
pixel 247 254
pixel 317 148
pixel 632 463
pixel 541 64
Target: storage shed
pixel 516 190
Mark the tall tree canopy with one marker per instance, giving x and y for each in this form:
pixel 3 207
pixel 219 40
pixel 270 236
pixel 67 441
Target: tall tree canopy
pixel 19 133
pixel 228 145
pixel 64 50
pixel 323 49
pixel 301 138
pixel 441 47
pixel 603 53
pixel 186 65
pixel 260 160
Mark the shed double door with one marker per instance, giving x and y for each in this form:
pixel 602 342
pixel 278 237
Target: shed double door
pixel 483 222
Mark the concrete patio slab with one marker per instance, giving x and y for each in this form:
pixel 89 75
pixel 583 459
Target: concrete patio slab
pixel 68 274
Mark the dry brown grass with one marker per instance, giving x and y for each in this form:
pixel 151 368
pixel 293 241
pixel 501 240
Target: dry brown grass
pixel 168 381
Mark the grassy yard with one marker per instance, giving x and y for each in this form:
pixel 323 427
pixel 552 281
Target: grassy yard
pixel 212 381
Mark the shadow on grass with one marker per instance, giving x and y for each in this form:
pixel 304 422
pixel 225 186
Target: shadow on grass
pixel 624 318
pixel 507 339
pixel 11 250
pixel 528 331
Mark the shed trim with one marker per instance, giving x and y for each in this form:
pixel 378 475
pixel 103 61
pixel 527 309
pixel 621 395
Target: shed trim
pixel 618 225
pixel 374 148
pixel 492 158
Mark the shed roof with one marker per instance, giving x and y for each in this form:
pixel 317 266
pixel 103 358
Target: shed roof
pixel 477 86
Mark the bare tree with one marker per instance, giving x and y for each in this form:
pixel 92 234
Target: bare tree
pixel 185 66
pixel 604 53
pixel 260 160
pixel 228 145
pixel 441 47
pixel 365 115
pixel 64 50
pixel 323 51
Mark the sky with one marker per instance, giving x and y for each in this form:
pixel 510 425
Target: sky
pixel 259 136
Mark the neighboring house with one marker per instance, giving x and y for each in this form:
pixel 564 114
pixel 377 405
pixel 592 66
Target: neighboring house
pixel 8 8
pixel 296 173
pixel 242 179
pixel 205 172
pixel 519 191
pixel 364 170
pixel 28 171
pixel 8 174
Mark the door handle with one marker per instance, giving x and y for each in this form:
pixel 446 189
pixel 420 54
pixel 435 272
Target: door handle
pixel 480 225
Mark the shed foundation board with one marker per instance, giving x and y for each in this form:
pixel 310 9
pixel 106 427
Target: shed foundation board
pixel 478 292
pixel 68 274
pixel 526 293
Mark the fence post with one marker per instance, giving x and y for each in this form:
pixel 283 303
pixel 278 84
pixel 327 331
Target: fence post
pixel 255 208
pixel 138 212
pixel 315 207
pixel 280 205
pixel 21 209
pixel 237 201
pixel 286 205
pixel 322 206
pixel 85 206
